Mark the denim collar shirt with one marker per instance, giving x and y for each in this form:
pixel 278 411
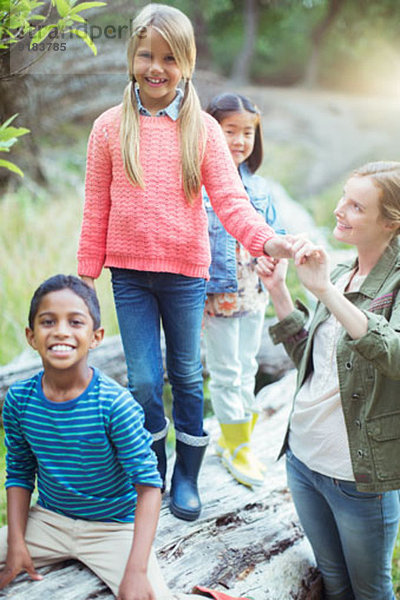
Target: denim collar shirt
pixel 171 111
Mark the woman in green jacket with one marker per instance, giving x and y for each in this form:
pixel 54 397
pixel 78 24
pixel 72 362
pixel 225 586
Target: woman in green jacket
pixel 343 441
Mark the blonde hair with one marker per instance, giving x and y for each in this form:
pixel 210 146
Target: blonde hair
pixel 177 31
pixel 386 176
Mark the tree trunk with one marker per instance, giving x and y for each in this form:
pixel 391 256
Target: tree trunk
pixel 14 98
pixel 318 34
pixel 200 27
pixel 241 68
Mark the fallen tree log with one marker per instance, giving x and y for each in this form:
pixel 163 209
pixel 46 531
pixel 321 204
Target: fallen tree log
pixel 247 543
pixel 109 357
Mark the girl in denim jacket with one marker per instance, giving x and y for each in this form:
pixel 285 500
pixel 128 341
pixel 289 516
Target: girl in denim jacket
pixel 235 306
pixel 343 441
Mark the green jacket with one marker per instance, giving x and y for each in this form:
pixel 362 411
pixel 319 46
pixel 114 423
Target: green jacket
pixel 368 370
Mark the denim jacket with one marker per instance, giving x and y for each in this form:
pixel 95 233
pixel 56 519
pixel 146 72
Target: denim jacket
pixel 368 370
pixel 223 245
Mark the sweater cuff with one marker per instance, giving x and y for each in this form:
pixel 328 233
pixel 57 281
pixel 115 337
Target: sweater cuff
pixel 89 268
pixel 257 245
pixel 291 326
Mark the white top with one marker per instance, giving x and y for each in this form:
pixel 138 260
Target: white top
pixel 318 435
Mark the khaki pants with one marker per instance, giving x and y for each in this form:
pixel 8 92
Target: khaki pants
pixel 103 547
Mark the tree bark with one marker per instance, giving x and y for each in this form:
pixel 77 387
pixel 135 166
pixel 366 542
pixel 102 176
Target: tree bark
pixel 317 37
pixel 242 66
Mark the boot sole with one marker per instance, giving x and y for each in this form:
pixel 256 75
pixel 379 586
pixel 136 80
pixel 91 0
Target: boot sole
pixel 184 514
pixel 236 474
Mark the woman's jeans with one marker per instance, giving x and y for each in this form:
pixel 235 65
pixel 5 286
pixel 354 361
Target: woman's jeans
pixel 352 533
pixel 142 299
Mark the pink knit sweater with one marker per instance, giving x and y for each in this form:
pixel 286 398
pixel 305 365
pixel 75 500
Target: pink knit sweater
pixel 155 228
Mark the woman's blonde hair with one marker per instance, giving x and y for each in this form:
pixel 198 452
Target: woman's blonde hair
pixel 386 176
pixel 177 31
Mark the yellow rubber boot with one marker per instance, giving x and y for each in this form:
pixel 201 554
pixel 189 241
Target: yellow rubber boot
pixel 237 456
pixel 220 446
pixel 254 419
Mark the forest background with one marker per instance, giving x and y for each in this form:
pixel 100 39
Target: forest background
pixel 325 73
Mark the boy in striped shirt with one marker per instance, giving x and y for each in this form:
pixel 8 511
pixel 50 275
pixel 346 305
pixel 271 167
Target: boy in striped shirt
pixel 80 436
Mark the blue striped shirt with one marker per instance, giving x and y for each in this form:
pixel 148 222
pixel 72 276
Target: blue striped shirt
pixel 87 453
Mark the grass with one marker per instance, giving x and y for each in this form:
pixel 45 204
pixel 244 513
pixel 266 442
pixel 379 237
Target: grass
pixel 396 568
pixel 39 238
pixel 3 507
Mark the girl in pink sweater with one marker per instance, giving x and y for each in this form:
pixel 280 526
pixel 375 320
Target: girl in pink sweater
pixel 144 219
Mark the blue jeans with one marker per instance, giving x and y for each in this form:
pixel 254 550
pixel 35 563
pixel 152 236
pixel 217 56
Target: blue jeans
pixel 352 533
pixel 142 298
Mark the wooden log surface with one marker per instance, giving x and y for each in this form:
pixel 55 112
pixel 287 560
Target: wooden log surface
pixel 109 357
pixel 246 543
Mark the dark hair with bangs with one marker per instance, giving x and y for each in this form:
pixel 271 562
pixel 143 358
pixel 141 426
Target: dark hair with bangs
pixel 62 282
pixel 223 105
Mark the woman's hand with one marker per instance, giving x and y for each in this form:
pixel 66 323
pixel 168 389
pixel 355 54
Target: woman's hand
pixel 312 265
pixel 272 272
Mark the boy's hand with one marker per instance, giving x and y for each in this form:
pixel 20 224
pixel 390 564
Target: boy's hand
pixel 135 586
pixel 18 559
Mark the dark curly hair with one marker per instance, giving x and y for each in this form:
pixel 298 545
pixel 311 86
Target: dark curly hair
pixel 70 282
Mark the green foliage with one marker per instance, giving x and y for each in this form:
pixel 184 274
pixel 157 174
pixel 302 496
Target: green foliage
pixel 18 18
pixel 396 568
pixel 3 504
pixel 8 137
pixel 360 52
pixel 30 254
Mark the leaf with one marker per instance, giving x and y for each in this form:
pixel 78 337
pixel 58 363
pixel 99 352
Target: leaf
pixel 6 145
pixel 86 6
pixel 84 36
pixel 11 167
pixel 42 34
pixel 12 132
pixel 15 21
pixel 77 18
pixel 8 122
pixel 63 7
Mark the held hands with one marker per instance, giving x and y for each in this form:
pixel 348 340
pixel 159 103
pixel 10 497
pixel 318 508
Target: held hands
pixel 135 586
pixel 18 559
pixel 312 265
pixel 272 272
pixel 279 246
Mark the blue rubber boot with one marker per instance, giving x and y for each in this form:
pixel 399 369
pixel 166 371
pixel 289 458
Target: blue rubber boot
pixel 185 500
pixel 158 447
